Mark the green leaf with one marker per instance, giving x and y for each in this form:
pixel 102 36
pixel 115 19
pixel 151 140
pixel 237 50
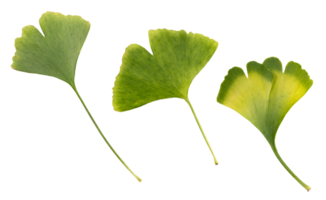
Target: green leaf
pixel 56 53
pixel 265 96
pixel 177 58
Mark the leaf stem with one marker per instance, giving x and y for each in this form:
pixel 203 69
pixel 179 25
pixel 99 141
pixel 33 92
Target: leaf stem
pixel 288 169
pixel 136 176
pixel 202 131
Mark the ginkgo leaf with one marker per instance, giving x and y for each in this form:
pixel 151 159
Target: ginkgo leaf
pixel 265 96
pixel 56 53
pixel 177 58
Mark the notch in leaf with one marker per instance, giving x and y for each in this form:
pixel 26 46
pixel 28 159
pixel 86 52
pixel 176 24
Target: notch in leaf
pixel 265 96
pixel 177 58
pixel 56 53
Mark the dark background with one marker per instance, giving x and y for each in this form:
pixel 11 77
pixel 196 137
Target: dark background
pixel 161 142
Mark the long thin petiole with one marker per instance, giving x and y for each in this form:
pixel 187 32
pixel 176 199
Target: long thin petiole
pixel 304 185
pixel 136 176
pixel 202 132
